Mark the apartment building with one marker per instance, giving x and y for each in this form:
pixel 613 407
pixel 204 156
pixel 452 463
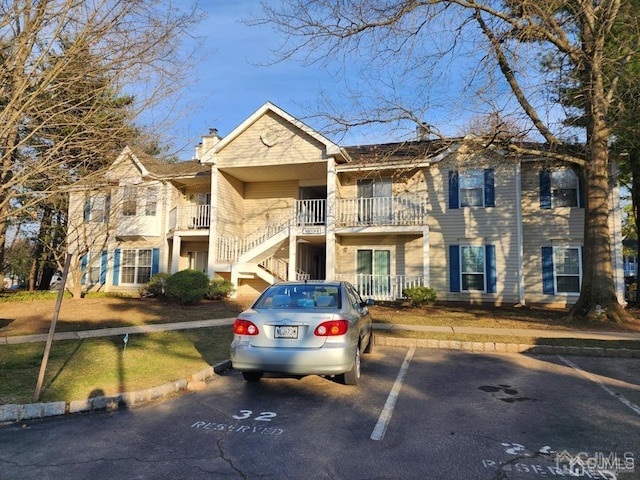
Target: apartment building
pixel 276 200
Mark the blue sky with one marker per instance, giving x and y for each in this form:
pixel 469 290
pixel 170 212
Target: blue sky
pixel 227 82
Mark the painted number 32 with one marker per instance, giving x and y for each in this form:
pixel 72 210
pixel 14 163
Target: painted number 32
pixel 261 417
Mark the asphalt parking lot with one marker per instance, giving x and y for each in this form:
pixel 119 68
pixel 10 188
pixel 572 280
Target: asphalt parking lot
pixel 418 413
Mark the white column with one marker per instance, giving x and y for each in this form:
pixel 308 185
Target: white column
pixel 330 221
pixel 175 253
pixel 293 253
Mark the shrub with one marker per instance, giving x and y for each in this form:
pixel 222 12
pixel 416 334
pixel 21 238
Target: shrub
pixel 187 286
pixel 219 288
pixel 418 296
pixel 157 286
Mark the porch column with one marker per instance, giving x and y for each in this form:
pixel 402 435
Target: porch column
pixel 213 215
pixel 293 253
pixel 175 253
pixel 330 221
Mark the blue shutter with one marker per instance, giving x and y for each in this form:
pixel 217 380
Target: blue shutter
pixel 454 200
pixel 454 268
pixel 116 266
pixel 545 189
pixel 581 193
pixel 155 261
pixel 87 209
pixel 490 267
pixel 489 189
pixel 103 267
pixel 83 269
pixel 548 287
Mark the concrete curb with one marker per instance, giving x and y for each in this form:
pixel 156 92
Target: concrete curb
pixel 500 347
pixel 18 412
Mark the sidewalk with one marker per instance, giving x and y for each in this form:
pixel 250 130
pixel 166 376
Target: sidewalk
pixel 19 412
pixel 380 327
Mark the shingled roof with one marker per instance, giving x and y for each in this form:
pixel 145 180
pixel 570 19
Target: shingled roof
pixel 389 153
pixel 165 169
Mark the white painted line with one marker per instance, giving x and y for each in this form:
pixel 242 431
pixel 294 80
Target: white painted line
pixel 387 411
pixel 611 392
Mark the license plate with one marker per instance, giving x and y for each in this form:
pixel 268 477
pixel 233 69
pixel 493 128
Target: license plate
pixel 286 331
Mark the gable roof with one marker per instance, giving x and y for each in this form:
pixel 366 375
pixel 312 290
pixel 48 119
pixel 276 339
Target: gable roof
pixel 151 166
pixel 331 148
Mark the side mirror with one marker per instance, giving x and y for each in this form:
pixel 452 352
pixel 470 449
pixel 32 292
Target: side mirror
pixel 370 302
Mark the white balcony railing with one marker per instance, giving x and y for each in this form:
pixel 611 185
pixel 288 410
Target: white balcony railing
pixel 190 217
pixel 310 212
pixel 382 287
pixel 408 209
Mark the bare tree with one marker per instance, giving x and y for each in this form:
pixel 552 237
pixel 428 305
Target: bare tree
pixel 61 60
pixel 517 56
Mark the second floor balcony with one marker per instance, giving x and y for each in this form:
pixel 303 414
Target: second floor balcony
pixel 408 209
pixel 190 217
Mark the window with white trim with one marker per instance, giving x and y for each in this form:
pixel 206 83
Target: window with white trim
pixel 471 188
pixel 129 201
pixel 564 188
pixel 135 267
pixel 151 202
pixel 567 269
pixel 97 208
pixel 472 268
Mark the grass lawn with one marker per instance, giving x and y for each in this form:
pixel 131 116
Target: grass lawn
pixel 80 369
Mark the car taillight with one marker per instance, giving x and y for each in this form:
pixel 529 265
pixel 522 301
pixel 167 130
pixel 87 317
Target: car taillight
pixel 244 327
pixel 332 328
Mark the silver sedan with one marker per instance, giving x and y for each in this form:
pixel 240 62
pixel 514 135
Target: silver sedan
pixel 304 328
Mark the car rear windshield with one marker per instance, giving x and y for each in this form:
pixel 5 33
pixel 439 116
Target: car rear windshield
pixel 301 296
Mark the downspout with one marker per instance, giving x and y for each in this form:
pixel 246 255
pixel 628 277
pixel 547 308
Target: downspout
pixel 213 225
pixel 519 235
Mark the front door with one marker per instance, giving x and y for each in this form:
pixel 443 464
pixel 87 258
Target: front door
pixel 374 273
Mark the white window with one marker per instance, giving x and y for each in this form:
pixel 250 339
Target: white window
pixel 136 266
pixel 567 269
pixel 151 202
pixel 129 201
pixel 472 268
pixel 564 188
pixel 93 268
pixel 471 188
pixel 97 208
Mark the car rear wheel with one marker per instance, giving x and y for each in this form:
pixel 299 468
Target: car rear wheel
pixel 352 376
pixel 252 376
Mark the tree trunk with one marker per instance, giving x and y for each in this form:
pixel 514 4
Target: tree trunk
pixel 598 300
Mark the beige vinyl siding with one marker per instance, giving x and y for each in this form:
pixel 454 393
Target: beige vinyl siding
pixel 406 252
pixel 563 226
pixel 291 145
pixel 474 226
pixel 268 203
pixel 229 206
pixel 126 172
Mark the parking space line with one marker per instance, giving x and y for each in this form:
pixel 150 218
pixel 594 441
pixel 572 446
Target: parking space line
pixel 611 392
pixel 387 411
